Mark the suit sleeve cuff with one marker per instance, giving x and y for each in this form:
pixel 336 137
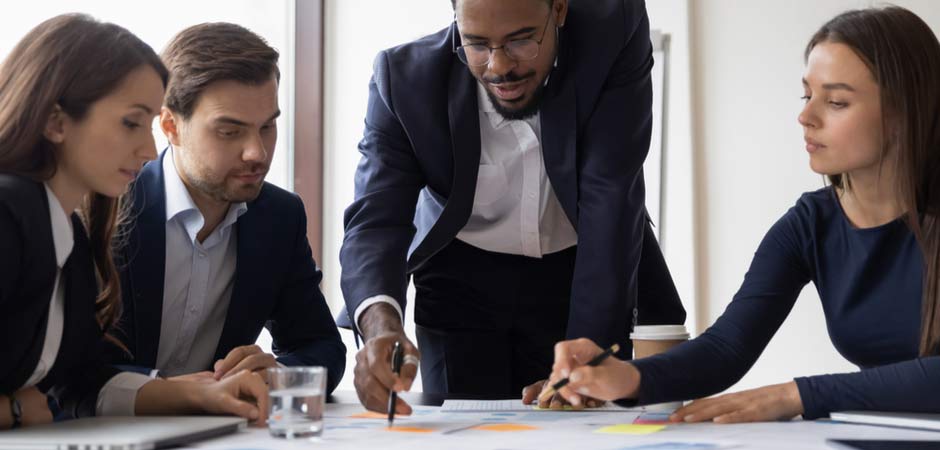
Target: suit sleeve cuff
pixel 119 395
pixel 373 300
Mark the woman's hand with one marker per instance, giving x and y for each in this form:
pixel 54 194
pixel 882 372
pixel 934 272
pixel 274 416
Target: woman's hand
pixel 777 402
pixel 34 407
pixel 611 380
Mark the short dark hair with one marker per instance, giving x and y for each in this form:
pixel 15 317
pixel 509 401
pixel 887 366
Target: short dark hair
pixel 203 54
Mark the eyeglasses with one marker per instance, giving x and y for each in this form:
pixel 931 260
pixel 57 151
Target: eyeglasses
pixel 476 55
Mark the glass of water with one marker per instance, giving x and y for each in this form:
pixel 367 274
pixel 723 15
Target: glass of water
pixel 298 396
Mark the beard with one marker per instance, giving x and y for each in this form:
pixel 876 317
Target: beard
pixel 523 110
pixel 220 189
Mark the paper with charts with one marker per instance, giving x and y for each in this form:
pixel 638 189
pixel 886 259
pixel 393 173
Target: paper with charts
pixel 517 406
pixel 349 426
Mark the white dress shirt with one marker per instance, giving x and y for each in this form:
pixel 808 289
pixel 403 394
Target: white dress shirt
pixel 198 279
pixel 118 395
pixel 515 210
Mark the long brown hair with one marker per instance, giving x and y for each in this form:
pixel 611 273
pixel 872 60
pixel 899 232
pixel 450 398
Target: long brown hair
pixel 70 61
pixel 903 55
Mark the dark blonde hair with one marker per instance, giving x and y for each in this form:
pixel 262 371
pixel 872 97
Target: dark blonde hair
pixel 903 55
pixel 70 61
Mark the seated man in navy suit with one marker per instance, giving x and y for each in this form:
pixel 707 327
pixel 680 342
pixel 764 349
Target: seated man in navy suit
pixel 215 253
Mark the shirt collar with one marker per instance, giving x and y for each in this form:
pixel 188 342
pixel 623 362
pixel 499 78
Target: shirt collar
pixel 178 200
pixel 496 119
pixel 180 205
pixel 62 237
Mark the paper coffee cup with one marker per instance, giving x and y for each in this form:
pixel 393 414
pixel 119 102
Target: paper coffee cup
pixel 649 340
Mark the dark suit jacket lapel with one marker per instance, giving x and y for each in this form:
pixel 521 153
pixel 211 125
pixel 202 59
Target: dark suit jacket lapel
pixel 147 258
pixel 559 133
pixel 464 120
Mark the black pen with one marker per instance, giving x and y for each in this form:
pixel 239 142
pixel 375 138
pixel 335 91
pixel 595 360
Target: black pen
pixel 593 362
pixel 397 357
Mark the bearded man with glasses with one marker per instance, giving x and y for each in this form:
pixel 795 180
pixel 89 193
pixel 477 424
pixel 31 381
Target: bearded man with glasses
pixel 502 168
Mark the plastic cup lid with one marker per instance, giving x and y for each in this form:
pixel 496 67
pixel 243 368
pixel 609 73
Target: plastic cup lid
pixel 659 332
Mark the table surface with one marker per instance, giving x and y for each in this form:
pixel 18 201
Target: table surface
pixel 342 433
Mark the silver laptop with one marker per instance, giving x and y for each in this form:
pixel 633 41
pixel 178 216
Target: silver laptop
pixel 903 420
pixel 119 433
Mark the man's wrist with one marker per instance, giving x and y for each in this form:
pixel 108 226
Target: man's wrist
pixel 379 318
pixel 6 415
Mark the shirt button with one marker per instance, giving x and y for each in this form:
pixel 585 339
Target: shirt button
pixel 202 254
pixel 532 194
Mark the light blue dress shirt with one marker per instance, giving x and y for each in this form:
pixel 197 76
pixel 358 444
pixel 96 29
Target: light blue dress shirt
pixel 198 280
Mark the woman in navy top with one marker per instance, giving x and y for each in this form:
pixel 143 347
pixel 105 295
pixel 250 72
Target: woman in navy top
pixel 869 243
pixel 77 98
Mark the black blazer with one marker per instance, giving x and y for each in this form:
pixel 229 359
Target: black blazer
pixel 276 281
pixel 27 276
pixel 420 152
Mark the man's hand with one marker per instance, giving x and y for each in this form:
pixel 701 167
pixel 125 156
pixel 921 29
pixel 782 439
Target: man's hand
pixel 374 378
pixel 780 401
pixel 532 392
pixel 246 357
pixel 242 393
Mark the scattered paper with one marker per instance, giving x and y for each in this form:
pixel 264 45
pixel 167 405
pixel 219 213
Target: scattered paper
pixel 516 406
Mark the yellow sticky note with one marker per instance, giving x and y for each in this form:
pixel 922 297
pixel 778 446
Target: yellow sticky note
pixel 629 428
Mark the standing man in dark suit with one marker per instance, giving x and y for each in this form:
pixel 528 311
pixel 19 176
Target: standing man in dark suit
pixel 502 168
pixel 215 253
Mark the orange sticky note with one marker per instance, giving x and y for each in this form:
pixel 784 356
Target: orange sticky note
pixel 409 429
pixel 502 427
pixel 369 415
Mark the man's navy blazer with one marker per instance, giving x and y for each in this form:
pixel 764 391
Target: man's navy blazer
pixel 276 281
pixel 415 182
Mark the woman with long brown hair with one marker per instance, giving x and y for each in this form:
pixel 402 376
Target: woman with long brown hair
pixel 870 243
pixel 77 99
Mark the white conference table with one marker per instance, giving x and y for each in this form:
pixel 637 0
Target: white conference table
pixel 341 432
